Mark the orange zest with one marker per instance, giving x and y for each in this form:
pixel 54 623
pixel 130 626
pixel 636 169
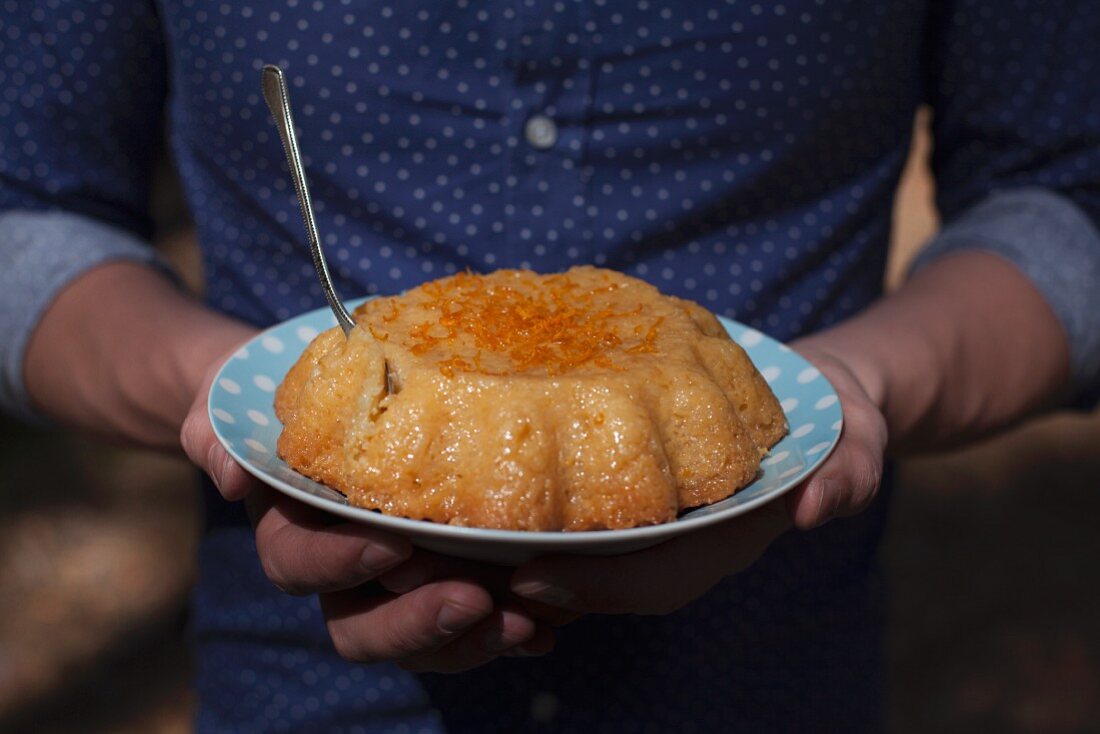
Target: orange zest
pixel 649 342
pixel 538 322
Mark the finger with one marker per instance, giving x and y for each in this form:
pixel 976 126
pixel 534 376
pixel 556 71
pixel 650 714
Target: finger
pixel 507 629
pixel 656 580
pixel 553 616
pixel 845 485
pixel 424 567
pixel 372 629
pixel 205 451
pixel 849 479
pixel 303 551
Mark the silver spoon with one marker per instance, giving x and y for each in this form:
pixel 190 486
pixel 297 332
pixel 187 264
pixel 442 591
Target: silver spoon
pixel 278 100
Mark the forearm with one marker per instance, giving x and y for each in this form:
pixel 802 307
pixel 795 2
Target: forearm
pixel 967 346
pixel 121 351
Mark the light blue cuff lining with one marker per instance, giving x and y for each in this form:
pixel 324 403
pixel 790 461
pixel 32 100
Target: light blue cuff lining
pixel 1053 243
pixel 40 253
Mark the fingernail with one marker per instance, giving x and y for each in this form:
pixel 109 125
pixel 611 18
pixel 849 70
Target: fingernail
pixel 454 617
pixel 377 558
pixel 828 488
pixel 227 466
pixel 545 593
pixel 215 476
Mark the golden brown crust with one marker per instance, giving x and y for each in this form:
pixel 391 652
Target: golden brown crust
pixel 612 407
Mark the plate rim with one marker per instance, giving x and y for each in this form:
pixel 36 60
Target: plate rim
pixel 543 538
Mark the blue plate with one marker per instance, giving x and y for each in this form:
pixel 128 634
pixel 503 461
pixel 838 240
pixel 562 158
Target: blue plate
pixel 242 412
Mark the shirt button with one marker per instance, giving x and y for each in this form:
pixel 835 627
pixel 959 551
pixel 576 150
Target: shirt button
pixel 541 132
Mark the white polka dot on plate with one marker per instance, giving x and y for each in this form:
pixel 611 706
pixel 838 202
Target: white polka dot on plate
pixel 803 430
pixel 770 373
pixel 306 333
pixel 808 375
pixel 789 404
pixel 836 426
pixel 751 338
pixel 223 416
pixel 273 344
pixel 825 402
pixel 241 353
pixel 776 458
pixel 258 418
pixel 230 386
pixel 255 445
pixel 792 471
pixel 817 448
pixel 264 382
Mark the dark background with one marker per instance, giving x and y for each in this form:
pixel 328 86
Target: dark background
pixel 990 551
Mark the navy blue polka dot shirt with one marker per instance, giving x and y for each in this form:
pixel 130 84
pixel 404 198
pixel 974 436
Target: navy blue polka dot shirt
pixel 742 154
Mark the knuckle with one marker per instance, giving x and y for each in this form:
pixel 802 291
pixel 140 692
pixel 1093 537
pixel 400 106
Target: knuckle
pixel 346 647
pixel 313 566
pixel 865 479
pixel 188 435
pixel 866 470
pixel 276 575
pixel 402 641
pixel 271 570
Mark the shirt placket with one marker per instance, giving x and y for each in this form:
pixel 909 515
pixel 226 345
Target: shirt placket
pixel 547 136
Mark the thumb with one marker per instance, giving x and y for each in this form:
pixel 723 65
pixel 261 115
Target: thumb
pixel 204 450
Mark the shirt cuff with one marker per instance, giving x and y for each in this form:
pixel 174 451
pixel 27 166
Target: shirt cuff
pixel 1057 247
pixel 40 253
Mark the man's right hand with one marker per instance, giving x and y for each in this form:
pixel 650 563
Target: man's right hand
pixel 124 353
pixel 427 612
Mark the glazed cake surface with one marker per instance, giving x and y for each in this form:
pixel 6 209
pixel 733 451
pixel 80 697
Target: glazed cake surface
pixel 575 401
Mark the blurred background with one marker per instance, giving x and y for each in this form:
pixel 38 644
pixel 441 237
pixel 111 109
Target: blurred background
pixel 994 611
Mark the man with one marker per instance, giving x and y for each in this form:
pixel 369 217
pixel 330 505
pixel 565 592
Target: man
pixel 741 154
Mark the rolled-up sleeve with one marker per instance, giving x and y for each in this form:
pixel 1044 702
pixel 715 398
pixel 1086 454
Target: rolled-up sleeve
pixel 1017 152
pixel 40 253
pixel 1051 241
pixel 85 86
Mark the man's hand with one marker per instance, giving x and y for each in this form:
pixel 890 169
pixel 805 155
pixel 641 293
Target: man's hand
pixel 936 361
pixel 848 480
pixel 429 613
pixel 438 614
pixel 662 579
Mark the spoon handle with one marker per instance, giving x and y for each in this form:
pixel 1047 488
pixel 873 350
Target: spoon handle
pixel 278 101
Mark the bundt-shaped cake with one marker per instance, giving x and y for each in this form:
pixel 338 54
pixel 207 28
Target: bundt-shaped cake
pixel 582 400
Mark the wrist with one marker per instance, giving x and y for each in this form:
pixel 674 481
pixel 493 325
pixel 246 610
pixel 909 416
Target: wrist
pixel 900 371
pixel 868 372
pixel 121 352
pixel 201 340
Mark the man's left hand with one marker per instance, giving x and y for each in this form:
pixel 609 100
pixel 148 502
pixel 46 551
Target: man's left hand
pixel 664 578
